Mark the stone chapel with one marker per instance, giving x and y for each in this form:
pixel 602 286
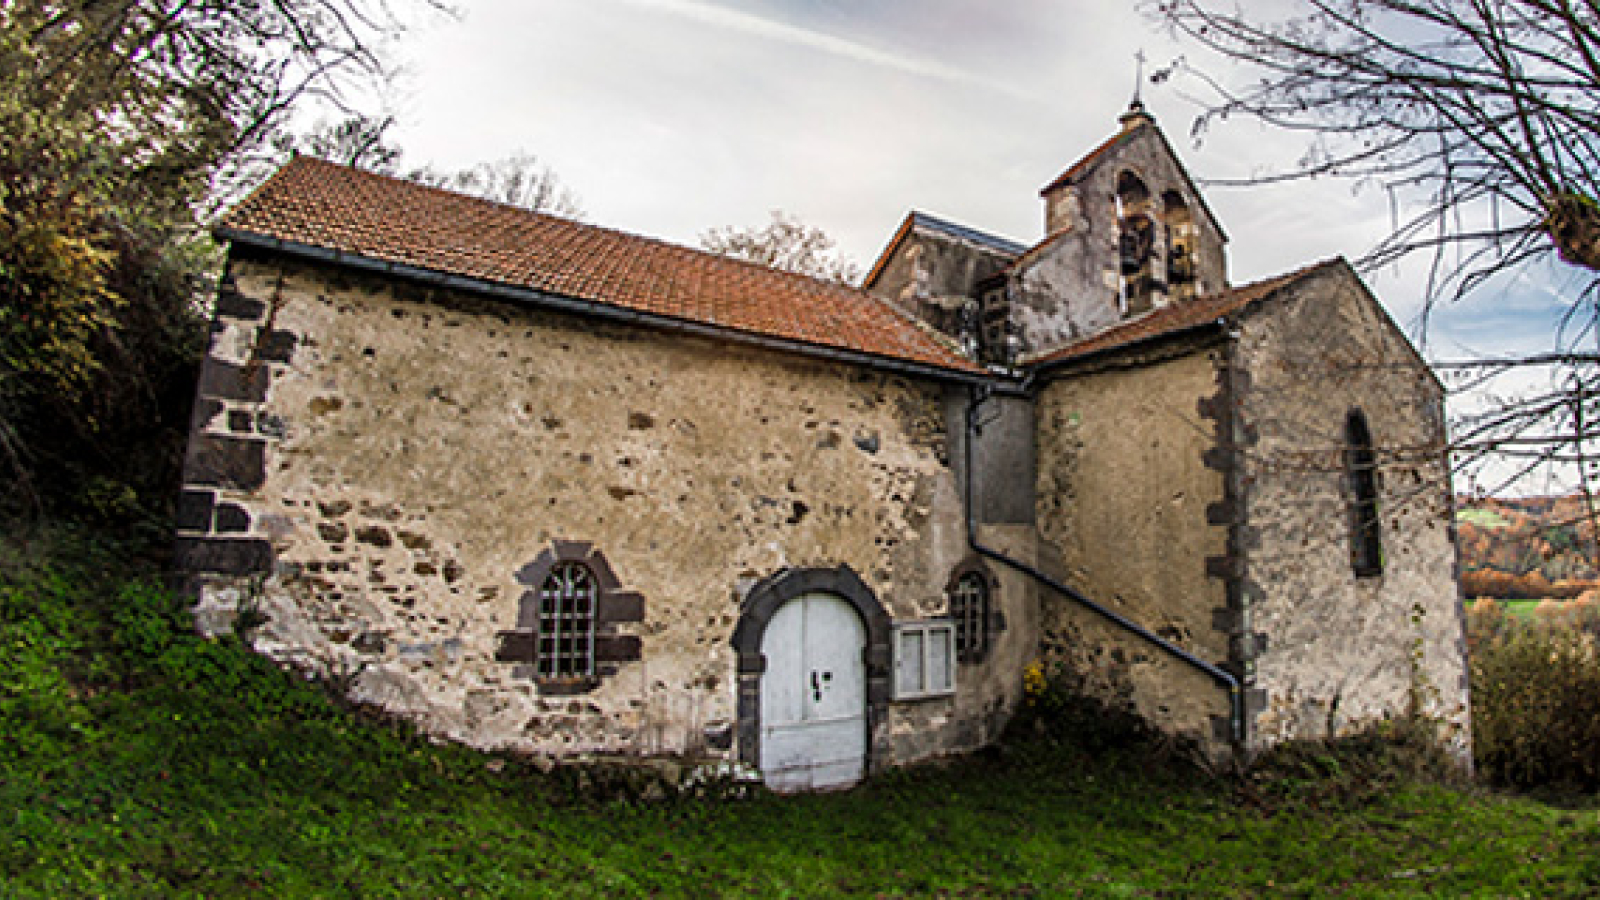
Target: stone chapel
pixel 549 488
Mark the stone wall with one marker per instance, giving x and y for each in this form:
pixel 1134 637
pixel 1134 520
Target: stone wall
pixel 1339 650
pixel 934 276
pixel 375 463
pixel 1127 480
pixel 1070 286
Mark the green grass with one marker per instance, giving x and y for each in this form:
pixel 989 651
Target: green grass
pixel 1483 518
pixel 1521 609
pixel 141 761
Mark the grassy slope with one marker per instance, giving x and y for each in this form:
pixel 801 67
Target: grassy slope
pixel 139 760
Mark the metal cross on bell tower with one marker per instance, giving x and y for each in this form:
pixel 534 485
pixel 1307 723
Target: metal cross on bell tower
pixel 1138 79
pixel 1136 114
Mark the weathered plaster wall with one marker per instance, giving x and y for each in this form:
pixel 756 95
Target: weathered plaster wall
pixel 1067 290
pixel 1339 650
pixel 933 276
pixel 375 462
pixel 935 264
pixel 1126 483
pixel 1069 287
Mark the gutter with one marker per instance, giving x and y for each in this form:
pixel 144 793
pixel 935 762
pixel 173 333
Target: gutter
pixel 596 309
pixel 1222 677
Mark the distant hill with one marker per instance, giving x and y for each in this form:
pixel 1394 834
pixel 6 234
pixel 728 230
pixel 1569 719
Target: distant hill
pixel 1527 547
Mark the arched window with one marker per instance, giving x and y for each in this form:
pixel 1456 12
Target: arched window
pixel 572 621
pixel 971 595
pixel 1136 239
pixel 565 646
pixel 1361 465
pixel 1179 222
pixel 1132 196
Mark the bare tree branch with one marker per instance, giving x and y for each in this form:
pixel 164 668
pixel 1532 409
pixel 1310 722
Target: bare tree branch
pixel 1481 121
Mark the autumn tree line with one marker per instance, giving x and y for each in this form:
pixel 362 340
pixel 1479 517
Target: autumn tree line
pixel 1527 548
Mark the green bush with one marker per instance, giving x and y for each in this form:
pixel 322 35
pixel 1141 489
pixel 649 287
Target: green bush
pixel 1536 703
pixel 1059 714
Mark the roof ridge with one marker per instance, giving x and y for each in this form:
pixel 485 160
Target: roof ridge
pixel 1088 159
pixel 1268 283
pixel 1033 252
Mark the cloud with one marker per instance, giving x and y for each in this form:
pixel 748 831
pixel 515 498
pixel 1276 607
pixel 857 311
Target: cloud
pixel 797 36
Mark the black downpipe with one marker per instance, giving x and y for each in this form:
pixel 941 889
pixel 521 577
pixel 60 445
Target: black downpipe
pixel 1221 676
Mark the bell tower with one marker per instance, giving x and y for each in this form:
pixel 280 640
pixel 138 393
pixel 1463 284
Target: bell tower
pixel 1128 233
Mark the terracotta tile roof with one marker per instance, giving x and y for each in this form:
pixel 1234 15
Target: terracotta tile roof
pixel 1178 316
pixel 335 208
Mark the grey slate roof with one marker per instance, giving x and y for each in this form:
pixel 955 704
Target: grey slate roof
pixel 944 226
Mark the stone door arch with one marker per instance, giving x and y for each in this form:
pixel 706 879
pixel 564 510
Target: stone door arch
pixel 763 604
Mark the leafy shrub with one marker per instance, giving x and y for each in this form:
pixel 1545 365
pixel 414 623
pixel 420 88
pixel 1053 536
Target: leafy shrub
pixel 1536 701
pixel 1581 615
pixel 1486 622
pixel 1057 711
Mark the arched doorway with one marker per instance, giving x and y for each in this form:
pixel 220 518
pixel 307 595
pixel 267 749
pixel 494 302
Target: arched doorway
pixel 813 650
pixel 813 695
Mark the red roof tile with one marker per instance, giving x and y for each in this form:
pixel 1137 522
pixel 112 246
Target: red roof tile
pixel 348 211
pixel 1179 316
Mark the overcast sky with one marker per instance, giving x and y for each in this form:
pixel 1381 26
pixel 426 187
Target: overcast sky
pixel 671 117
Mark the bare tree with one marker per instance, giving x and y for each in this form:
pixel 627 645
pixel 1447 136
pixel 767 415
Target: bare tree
pixel 357 141
pixel 1479 118
pixel 517 180
pixel 785 243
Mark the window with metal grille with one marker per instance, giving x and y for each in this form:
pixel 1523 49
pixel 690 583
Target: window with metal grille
pixel 1366 532
pixel 969 608
pixel 565 647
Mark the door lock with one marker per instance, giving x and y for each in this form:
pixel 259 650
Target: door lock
pixel 819 680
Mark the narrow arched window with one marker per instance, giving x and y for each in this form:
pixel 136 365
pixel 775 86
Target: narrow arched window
pixel 1361 465
pixel 1136 236
pixel 1132 196
pixel 969 608
pixel 1179 222
pixel 565 644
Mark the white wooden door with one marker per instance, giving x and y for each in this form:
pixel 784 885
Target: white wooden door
pixel 813 695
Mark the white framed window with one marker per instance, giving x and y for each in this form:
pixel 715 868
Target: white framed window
pixel 924 659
